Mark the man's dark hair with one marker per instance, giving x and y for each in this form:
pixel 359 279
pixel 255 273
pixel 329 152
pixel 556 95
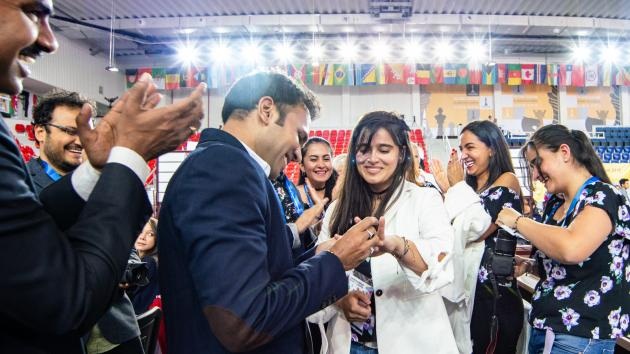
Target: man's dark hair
pixel 622 181
pixel 244 95
pixel 42 113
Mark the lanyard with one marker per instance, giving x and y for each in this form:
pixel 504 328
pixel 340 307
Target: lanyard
pixel 294 195
pixel 574 202
pixel 308 196
pixel 49 170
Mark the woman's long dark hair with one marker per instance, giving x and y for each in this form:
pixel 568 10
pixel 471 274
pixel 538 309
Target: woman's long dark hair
pixel 551 137
pixel 356 197
pixel 500 162
pixel 153 252
pixel 330 183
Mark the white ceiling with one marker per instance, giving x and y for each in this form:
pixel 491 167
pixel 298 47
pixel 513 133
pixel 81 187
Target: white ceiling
pixel 147 30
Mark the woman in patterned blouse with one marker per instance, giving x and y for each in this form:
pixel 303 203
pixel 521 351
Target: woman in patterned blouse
pixel 581 300
pixel 485 167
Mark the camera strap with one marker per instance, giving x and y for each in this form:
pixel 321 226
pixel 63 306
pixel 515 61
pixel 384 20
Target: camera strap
pixel 574 202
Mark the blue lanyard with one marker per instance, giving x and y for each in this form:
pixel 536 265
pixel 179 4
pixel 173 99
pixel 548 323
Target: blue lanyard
pixel 574 202
pixel 308 196
pixel 294 195
pixel 50 171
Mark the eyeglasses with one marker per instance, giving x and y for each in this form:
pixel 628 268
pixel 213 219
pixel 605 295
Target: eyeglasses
pixel 72 131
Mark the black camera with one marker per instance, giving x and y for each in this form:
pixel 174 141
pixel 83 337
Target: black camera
pixel 136 273
pixel 503 257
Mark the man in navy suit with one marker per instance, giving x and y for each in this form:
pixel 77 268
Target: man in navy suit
pixel 62 255
pixel 228 278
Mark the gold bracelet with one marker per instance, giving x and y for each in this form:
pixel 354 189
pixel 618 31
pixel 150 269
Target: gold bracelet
pixel 516 222
pixel 405 249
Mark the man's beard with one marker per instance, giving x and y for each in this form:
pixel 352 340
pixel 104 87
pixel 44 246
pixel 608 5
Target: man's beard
pixel 57 159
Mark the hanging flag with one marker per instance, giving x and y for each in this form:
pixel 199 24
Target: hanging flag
pixel 565 74
pixel 462 74
pixel 437 74
pixel 312 74
pixel 591 75
pixel 617 75
pixel 474 74
pixel 394 74
pixel 423 74
pixel 552 74
pixel 172 79
pixel 577 75
pixel 191 76
pixel 489 75
pixel 380 74
pixel 514 74
pixel 409 73
pixel 365 74
pixel 342 75
pixel 131 75
pixel 502 73
pixel 450 74
pixel 528 74
pixel 626 75
pixel 297 71
pixel 159 78
pixel 541 74
pixel 326 75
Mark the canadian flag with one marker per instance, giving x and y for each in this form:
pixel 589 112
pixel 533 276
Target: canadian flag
pixel 527 73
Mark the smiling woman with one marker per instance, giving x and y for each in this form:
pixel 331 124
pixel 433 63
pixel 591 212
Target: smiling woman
pixel 316 167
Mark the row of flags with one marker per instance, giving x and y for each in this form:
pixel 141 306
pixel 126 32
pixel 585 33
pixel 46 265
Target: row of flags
pixel 399 74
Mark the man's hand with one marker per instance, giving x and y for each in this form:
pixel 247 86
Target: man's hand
pixel 358 243
pixel 355 306
pixel 135 123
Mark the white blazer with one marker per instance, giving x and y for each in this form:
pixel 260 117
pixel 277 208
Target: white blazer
pixel 470 220
pixel 410 312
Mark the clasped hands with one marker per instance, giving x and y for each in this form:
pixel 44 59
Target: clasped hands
pixel 450 176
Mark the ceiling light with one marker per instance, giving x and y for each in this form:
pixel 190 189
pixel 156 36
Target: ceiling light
pixel 348 51
pixel 412 51
pixel 476 52
pixel 580 53
pixel 316 52
pixel 443 50
pixel 220 53
pixel 380 50
pixel 284 52
pixel 610 54
pixel 187 54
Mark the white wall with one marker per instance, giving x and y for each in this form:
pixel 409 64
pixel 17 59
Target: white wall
pixel 72 68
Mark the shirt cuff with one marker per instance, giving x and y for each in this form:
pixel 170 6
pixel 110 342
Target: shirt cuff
pixel 84 179
pixel 131 159
pixel 296 235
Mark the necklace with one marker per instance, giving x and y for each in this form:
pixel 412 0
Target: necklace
pixel 320 189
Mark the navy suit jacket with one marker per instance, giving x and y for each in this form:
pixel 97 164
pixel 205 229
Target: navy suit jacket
pixel 228 279
pixel 61 258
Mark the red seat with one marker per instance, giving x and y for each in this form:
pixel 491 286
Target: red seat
pixel 20 128
pixel 318 133
pixel 30 132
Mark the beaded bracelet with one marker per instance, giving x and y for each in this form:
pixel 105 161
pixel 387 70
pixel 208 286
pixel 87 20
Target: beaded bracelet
pixel 516 222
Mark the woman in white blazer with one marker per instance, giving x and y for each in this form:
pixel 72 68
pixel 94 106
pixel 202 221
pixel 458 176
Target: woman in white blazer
pixel 404 312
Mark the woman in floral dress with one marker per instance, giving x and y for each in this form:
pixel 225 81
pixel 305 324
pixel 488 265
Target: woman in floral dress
pixel 484 169
pixel 581 304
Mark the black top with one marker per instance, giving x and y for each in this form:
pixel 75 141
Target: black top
pixel 493 200
pixel 589 299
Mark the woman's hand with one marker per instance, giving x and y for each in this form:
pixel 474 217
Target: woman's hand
pixel 508 217
pixel 440 174
pixel 355 306
pixel 455 169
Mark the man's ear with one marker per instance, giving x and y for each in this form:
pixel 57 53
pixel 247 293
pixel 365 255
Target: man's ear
pixel 40 134
pixel 265 109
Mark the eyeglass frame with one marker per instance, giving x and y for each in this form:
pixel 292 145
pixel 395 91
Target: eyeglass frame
pixel 71 131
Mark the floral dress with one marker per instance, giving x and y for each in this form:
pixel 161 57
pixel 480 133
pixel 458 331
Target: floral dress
pixel 509 304
pixel 590 299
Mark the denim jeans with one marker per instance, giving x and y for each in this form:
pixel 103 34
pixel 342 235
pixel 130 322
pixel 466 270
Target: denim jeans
pixel 357 348
pixel 568 344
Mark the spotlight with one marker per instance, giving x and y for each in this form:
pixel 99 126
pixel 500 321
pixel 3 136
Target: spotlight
pixel 316 52
pixel 412 51
pixel 580 53
pixel 252 52
pixel 610 54
pixel 348 51
pixel 443 50
pixel 111 68
pixel 187 53
pixel 380 50
pixel 220 53
pixel 284 52
pixel 476 52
